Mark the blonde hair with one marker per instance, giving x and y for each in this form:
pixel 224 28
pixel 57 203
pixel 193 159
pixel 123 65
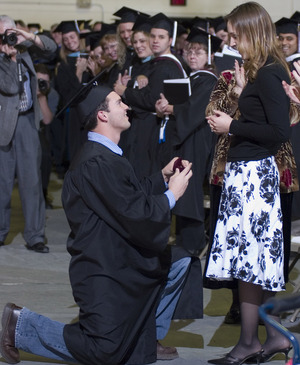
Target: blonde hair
pixel 121 50
pixel 254 25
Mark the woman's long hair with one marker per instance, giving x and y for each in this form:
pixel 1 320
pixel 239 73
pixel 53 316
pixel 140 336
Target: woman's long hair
pixel 257 37
pixel 64 51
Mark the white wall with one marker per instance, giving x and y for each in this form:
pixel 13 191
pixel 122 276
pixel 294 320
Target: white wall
pixel 47 12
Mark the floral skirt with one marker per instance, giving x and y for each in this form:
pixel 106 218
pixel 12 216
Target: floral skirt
pixel 248 241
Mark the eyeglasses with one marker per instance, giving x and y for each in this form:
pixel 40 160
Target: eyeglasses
pixel 192 52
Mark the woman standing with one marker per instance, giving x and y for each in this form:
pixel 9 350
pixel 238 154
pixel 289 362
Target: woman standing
pixel 71 74
pixel 190 137
pixel 135 141
pixel 248 242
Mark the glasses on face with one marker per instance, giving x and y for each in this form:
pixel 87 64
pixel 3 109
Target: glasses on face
pixel 193 52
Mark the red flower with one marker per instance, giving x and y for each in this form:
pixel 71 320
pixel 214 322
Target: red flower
pixel 215 180
pixel 227 76
pixel 286 177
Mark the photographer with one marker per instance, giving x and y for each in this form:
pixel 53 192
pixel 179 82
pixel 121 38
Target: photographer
pixel 48 99
pixel 20 115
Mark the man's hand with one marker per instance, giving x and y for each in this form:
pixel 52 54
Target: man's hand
pixel 179 181
pixel 168 170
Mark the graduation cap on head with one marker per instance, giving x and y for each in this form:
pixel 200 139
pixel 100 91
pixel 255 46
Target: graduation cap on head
pixel 35 25
pixel 93 39
pixel 218 24
pixel 84 24
pixel 67 26
pixel 197 35
pixel 296 16
pixel 161 21
pixel 203 23
pixel 287 25
pixel 128 15
pixel 92 99
pixel 142 23
pixel 181 30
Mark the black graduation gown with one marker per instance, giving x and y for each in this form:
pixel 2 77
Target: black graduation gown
pixel 119 233
pixel 145 156
pixel 113 75
pixel 128 141
pixel 192 140
pixel 67 85
pixel 295 132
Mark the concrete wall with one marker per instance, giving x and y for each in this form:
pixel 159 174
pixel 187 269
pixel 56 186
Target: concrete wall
pixel 47 12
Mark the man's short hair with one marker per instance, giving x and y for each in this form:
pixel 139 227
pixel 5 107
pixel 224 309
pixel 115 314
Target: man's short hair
pixel 91 121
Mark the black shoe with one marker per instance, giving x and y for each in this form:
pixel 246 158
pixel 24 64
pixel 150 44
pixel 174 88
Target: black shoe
pixel 233 316
pixel 38 247
pixel 1 243
pixel 7 338
pixel 230 360
pixel 268 357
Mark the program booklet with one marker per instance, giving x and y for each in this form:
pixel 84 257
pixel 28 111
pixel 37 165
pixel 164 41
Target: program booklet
pixel 177 91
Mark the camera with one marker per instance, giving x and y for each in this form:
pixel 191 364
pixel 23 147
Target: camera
pixel 84 55
pixel 10 39
pixel 43 86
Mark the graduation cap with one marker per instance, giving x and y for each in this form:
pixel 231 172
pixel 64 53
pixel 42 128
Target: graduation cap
pixel 128 15
pixel 35 25
pixel 218 24
pixel 93 39
pixel 92 99
pixel 203 23
pixel 142 23
pixel 212 42
pixel 67 26
pixel 296 16
pixel 197 35
pixel 161 21
pixel 84 24
pixel 287 25
pixel 181 30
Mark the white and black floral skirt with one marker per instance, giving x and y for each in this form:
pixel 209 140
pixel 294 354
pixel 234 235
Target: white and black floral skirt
pixel 248 241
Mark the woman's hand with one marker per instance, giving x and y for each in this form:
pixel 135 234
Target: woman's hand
pixel 119 88
pixel 142 81
pixel 219 122
pixel 125 78
pixel 296 73
pixel 240 78
pixel 292 92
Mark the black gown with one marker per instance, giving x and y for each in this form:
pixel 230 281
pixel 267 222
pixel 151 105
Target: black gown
pixel 67 85
pixel 193 141
pixel 146 157
pixel 119 234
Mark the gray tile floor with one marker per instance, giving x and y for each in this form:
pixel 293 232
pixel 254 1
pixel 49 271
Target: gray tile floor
pixel 40 282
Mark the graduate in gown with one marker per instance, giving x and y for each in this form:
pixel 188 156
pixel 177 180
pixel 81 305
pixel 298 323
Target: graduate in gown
pixel 189 136
pixel 133 141
pixel 71 75
pixel 164 66
pixel 119 233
